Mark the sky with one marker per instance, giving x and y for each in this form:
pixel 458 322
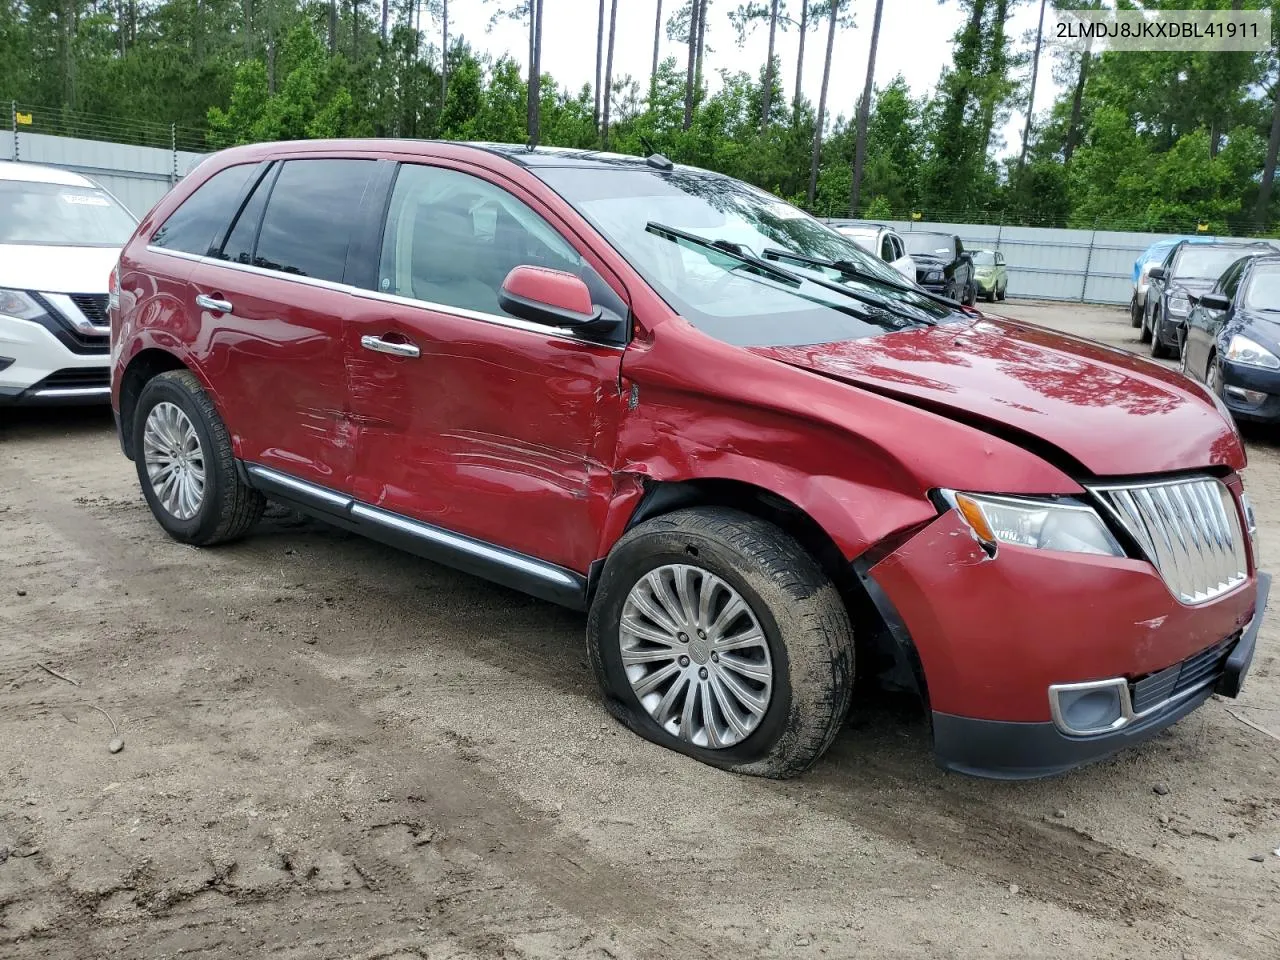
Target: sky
pixel 915 40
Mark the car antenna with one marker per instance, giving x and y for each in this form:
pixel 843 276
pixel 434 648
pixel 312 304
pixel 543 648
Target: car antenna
pixel 645 142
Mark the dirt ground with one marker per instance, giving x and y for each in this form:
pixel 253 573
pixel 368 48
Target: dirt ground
pixel 332 749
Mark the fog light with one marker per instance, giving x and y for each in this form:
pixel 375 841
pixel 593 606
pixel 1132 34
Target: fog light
pixel 1248 396
pixel 1086 709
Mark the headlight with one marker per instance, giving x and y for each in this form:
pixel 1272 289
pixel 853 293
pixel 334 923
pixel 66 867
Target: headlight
pixel 933 276
pixel 1243 350
pixel 15 303
pixel 1039 524
pixel 1178 306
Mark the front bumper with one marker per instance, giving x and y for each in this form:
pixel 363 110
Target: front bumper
pixel 1006 750
pixel 1238 378
pixel 991 635
pixel 37 368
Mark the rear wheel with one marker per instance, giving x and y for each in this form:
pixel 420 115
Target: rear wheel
pixel 185 463
pixel 714 633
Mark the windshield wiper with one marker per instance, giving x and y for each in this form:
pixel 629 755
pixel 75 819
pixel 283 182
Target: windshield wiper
pixel 770 269
pixel 850 269
pixel 732 250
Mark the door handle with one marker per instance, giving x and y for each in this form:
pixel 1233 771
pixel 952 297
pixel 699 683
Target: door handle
pixel 378 345
pixel 213 303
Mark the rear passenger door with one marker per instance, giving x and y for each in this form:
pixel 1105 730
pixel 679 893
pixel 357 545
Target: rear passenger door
pixel 271 306
pixel 473 420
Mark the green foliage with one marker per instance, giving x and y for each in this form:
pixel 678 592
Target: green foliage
pixel 1159 141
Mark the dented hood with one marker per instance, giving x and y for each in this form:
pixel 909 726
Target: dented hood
pixel 1109 411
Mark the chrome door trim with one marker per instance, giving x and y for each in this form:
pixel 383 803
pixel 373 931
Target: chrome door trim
pixel 513 323
pixel 465 545
pixel 378 345
pixel 341 501
pixel 560 578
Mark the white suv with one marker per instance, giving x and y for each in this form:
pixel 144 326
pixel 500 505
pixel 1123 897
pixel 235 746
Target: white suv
pixel 879 241
pixel 60 236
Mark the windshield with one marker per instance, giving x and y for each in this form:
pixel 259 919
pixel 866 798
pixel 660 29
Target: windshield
pixel 52 213
pixel 930 244
pixel 984 258
pixel 1206 263
pixel 1263 290
pixel 719 293
pixel 866 239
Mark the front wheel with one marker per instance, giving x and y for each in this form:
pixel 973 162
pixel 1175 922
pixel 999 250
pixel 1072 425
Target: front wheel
pixel 1000 294
pixel 971 295
pixel 715 634
pixel 186 466
pixel 1158 349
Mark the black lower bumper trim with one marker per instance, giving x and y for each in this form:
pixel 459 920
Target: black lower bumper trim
pixel 1003 750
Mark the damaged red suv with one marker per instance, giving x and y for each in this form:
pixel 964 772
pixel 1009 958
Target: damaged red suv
pixel 763 463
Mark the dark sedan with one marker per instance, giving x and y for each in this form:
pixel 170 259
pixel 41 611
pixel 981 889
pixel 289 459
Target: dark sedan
pixel 1189 269
pixel 1232 339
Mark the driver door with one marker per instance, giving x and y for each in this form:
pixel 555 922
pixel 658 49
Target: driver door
pixel 471 420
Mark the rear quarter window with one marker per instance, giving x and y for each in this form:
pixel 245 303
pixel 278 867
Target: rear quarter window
pixel 203 216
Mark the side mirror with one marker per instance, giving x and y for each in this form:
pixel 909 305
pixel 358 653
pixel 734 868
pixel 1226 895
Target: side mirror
pixel 1214 301
pixel 1156 273
pixel 552 297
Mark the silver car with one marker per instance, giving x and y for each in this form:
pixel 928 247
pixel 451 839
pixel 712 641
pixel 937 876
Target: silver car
pixel 880 241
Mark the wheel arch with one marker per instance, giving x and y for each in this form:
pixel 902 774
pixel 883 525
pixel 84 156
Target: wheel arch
pixel 882 651
pixel 147 364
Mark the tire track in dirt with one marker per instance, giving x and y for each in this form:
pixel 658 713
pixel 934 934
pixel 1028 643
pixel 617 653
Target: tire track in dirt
pixel 471 807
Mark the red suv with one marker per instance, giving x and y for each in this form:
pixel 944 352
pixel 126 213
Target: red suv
pixel 764 463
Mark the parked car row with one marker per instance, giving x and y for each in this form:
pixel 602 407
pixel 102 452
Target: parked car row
pixel 936 261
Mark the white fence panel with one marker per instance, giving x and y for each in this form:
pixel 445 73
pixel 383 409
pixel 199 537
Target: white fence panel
pixel 138 176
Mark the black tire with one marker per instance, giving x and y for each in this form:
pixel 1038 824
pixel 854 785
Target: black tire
pixel 1144 335
pixel 1135 312
pixel 971 295
pixel 1158 349
pixel 1002 293
pixel 799 611
pixel 990 297
pixel 1213 374
pixel 230 507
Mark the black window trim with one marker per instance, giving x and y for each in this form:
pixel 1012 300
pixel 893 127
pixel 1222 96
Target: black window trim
pixel 264 179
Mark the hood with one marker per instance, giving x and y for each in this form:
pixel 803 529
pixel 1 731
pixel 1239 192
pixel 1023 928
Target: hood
pixel 49 269
pixel 1110 412
pixel 1261 326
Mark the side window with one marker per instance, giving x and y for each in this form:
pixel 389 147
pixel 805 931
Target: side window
pixel 899 251
pixel 193 227
pixel 313 206
pixel 886 249
pixel 239 244
pixel 452 238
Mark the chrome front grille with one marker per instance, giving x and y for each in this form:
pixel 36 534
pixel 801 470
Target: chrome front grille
pixel 1189 529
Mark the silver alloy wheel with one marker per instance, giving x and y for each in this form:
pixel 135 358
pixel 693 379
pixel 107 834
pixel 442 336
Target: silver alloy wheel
pixel 174 460
pixel 696 656
pixel 1213 377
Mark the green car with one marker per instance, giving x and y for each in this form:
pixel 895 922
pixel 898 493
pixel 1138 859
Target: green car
pixel 990 274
